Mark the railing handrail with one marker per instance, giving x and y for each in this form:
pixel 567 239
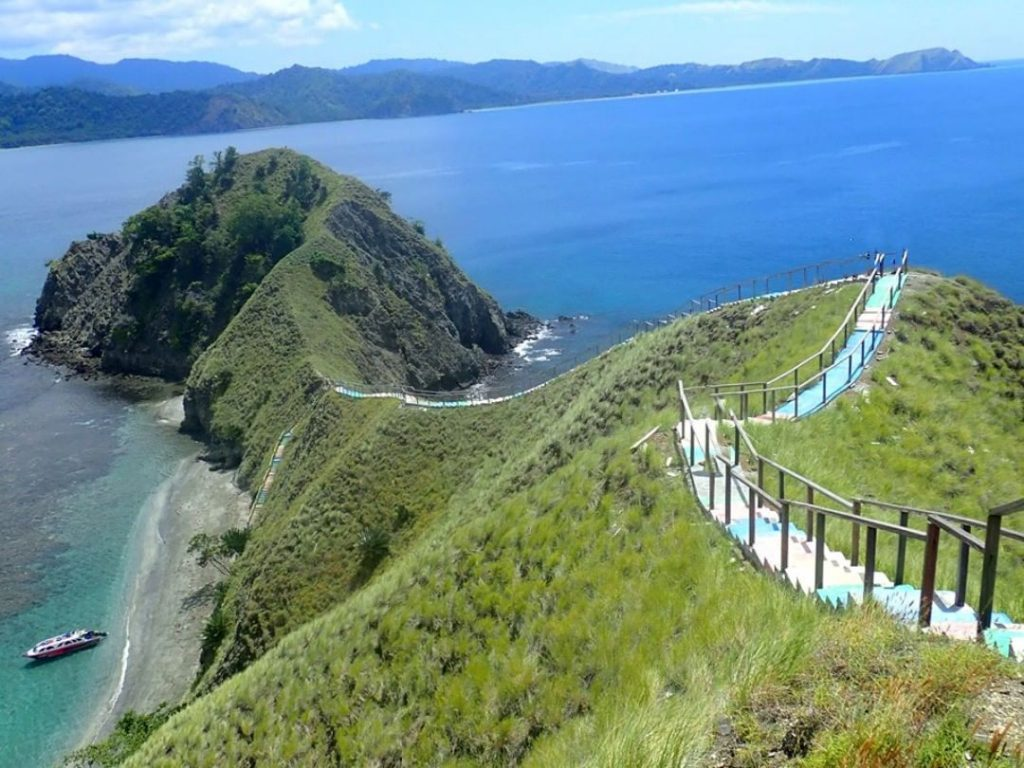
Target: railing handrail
pixel 766 386
pixel 1009 508
pixel 686 403
pixel 956 533
pixel 743 434
pixel 947 516
pixel 766 498
pixel 869 522
pixel 868 283
pixel 809 483
pixel 791 473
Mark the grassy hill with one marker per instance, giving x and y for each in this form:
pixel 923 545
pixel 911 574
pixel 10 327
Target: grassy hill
pixel 513 585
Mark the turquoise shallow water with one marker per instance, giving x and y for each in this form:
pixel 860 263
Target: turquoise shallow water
pixel 79 462
pixel 617 210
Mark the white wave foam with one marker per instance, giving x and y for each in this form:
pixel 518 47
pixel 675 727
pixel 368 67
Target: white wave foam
pixel 19 338
pixel 112 703
pixel 528 351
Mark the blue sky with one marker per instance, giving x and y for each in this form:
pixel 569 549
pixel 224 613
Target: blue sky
pixel 264 35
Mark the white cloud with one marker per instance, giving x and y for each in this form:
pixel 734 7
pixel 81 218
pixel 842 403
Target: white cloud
pixel 107 30
pixel 722 8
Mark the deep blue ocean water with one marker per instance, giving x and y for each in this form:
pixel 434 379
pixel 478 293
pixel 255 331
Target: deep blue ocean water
pixel 618 210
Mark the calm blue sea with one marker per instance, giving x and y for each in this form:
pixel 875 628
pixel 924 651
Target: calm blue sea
pixel 617 210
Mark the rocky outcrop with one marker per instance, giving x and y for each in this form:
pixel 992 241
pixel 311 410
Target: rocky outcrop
pixel 86 320
pixel 415 301
pixel 82 300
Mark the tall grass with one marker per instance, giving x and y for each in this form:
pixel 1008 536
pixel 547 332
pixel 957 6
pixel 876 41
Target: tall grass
pixel 549 597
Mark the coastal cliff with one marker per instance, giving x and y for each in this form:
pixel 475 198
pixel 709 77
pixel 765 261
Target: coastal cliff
pixel 151 299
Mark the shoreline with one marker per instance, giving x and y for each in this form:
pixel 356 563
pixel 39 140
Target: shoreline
pixel 168 597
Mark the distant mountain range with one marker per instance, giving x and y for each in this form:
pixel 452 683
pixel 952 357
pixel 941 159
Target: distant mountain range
pixel 128 76
pixel 46 99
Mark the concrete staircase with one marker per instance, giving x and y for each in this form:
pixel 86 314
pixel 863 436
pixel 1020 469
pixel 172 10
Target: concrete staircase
pixel 842 582
pixel 758 530
pixel 854 357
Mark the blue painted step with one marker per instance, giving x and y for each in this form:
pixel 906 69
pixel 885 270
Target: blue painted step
pixel 740 529
pixel 1001 639
pixel 841 596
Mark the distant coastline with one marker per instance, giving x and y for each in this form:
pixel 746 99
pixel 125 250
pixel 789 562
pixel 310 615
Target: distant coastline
pixel 721 89
pixel 61 111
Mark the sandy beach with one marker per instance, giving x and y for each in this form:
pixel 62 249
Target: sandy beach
pixel 169 597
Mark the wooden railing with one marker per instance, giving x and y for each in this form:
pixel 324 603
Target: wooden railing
pixel 774 392
pixel 797 492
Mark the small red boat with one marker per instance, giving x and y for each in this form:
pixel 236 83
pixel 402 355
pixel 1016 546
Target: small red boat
pixel 60 645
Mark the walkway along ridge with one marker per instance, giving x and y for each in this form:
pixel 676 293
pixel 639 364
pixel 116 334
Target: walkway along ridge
pixel 268 478
pixel 729 484
pixel 713 301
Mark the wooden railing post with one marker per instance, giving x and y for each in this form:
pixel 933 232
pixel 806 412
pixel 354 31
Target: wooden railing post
pixel 760 473
pixel 711 484
pixel 849 368
pixel 736 444
pixel 810 514
pixel 901 551
pixel 869 562
pixel 819 552
pixel 718 405
pixel 784 525
pixel 764 397
pixel 931 556
pixel 693 455
pixel 707 444
pixel 773 406
pixel 961 575
pixel 751 501
pixel 824 388
pixel 990 558
pixel 782 485
pixel 728 493
pixel 855 537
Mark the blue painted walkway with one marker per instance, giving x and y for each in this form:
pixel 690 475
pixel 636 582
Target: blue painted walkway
pixel 854 357
pixel 842 582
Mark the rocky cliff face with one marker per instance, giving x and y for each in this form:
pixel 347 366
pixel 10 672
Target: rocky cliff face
pixel 83 300
pixel 406 294
pixel 87 322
